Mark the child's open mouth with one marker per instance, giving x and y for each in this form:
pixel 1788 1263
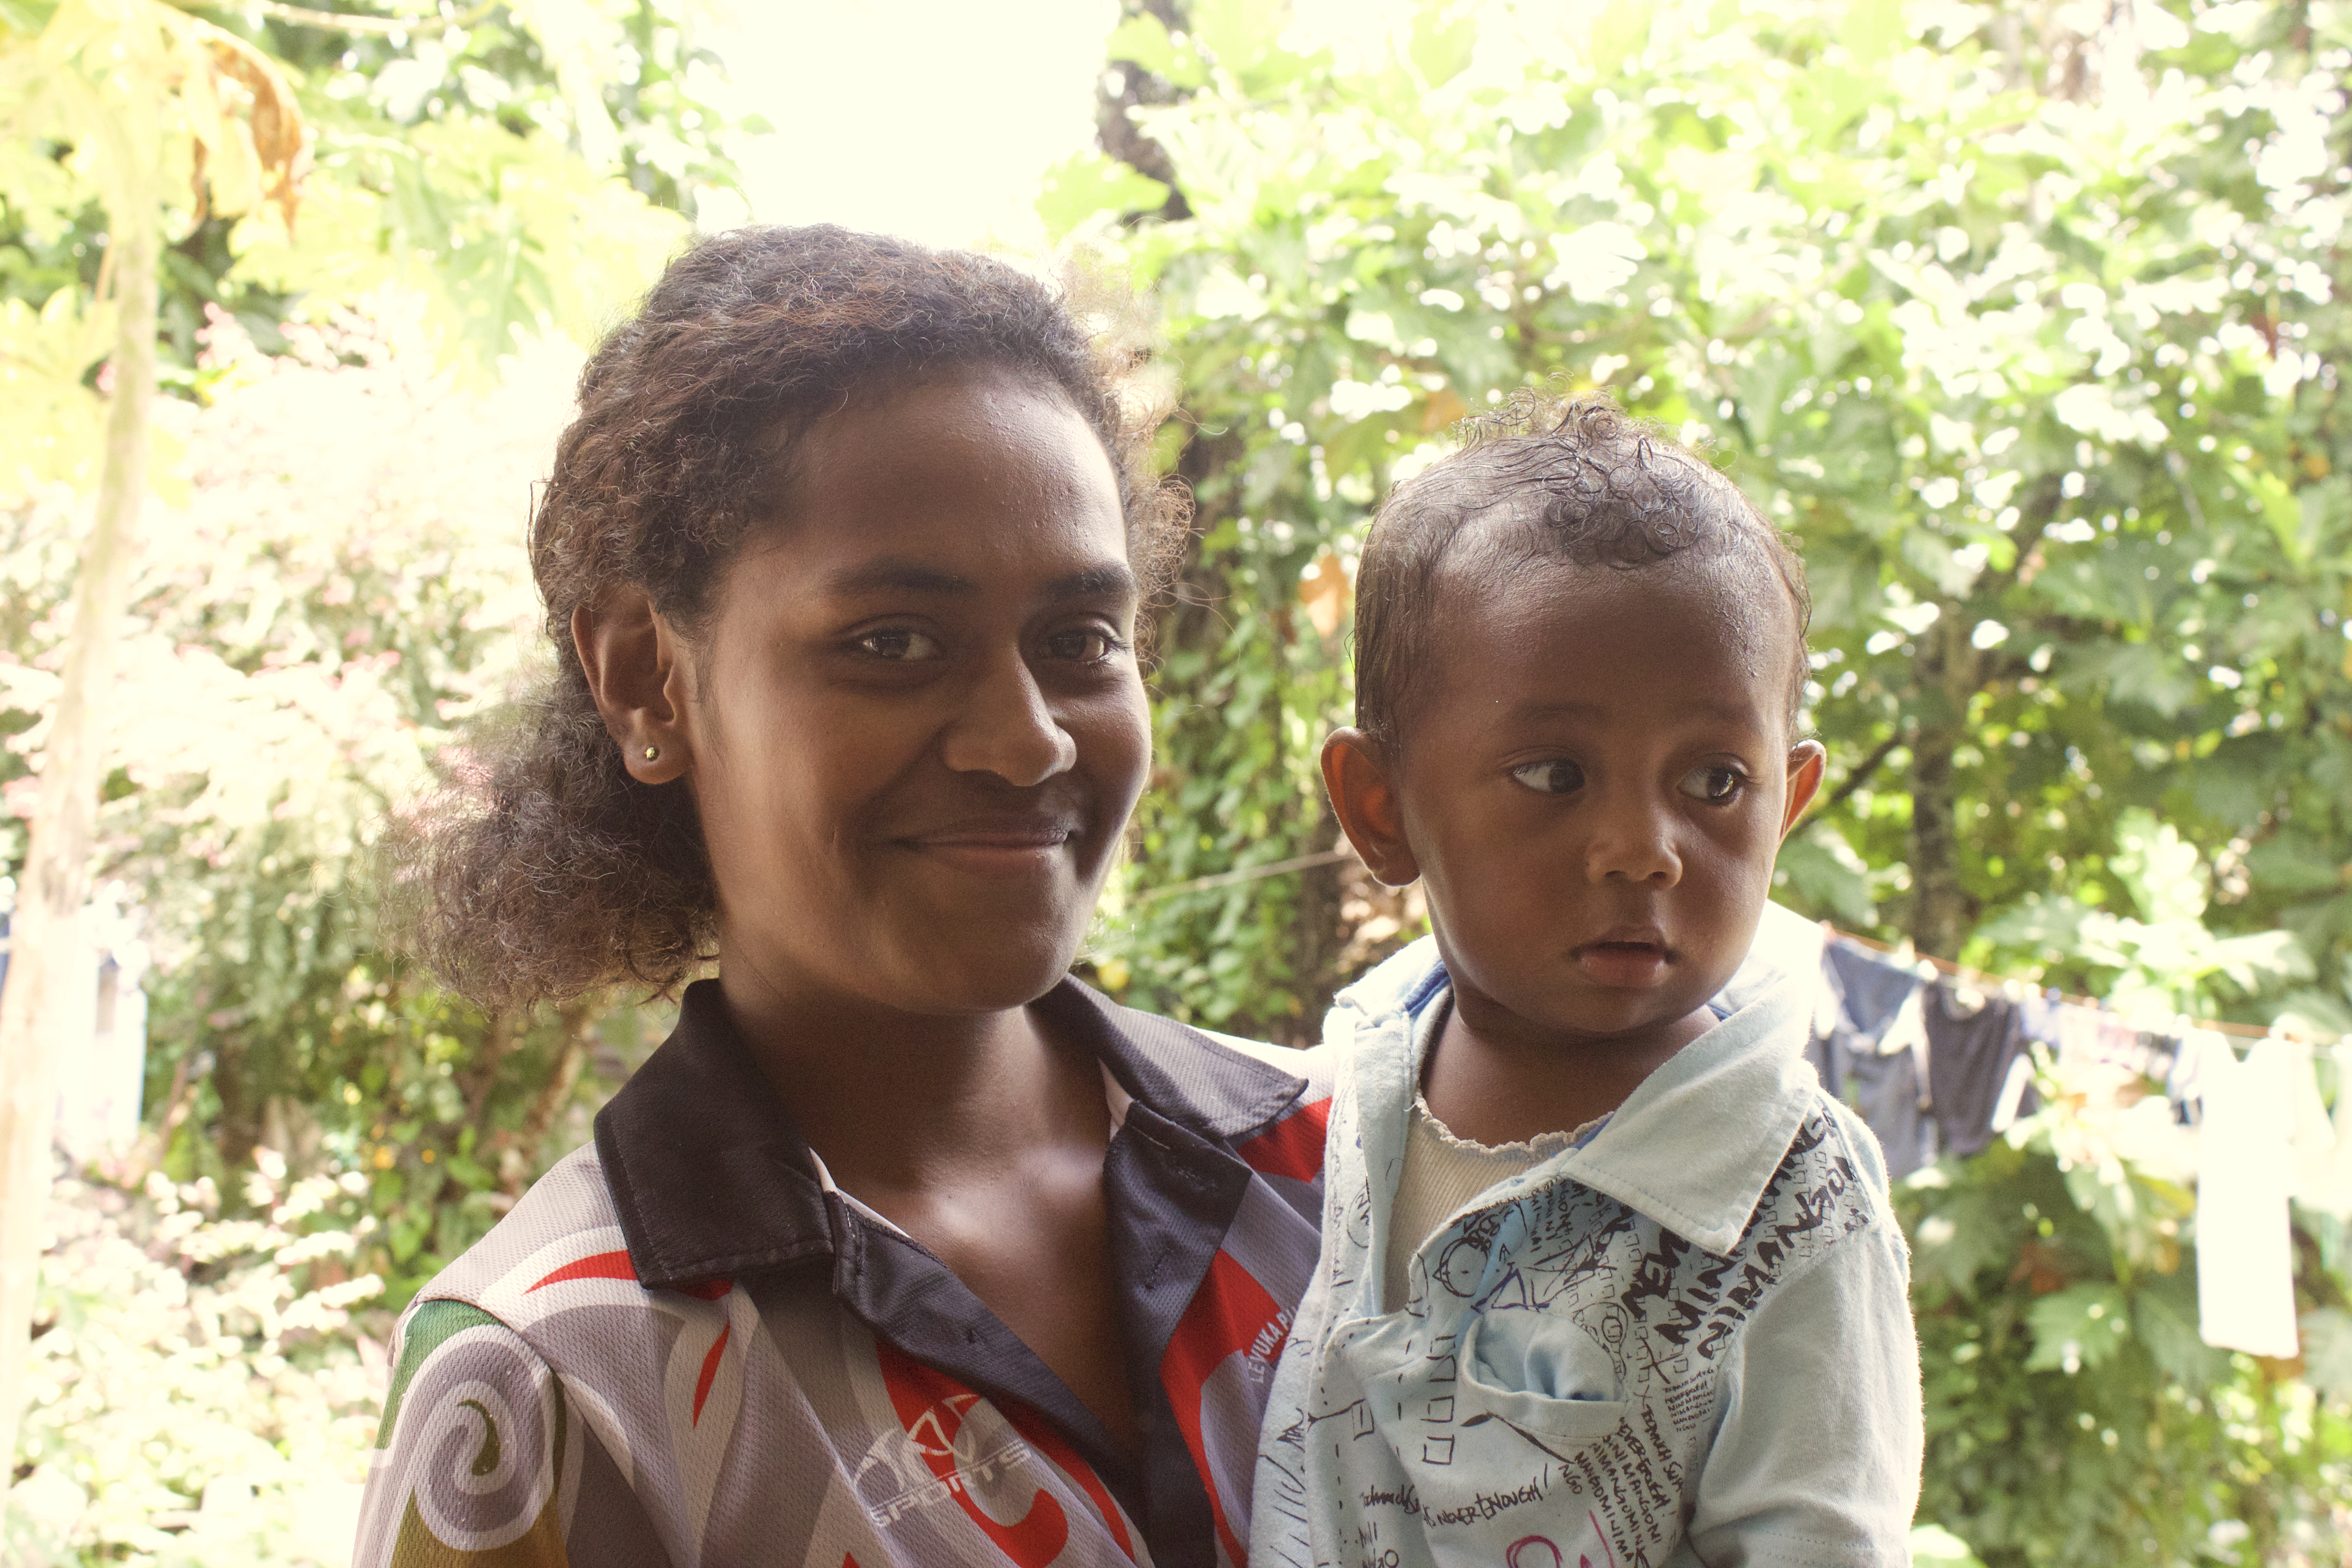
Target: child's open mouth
pixel 1632 965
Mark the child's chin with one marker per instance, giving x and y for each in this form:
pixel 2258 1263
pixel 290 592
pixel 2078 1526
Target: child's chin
pixel 1588 1010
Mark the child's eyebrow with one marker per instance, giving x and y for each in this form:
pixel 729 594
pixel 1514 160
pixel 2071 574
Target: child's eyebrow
pixel 1738 713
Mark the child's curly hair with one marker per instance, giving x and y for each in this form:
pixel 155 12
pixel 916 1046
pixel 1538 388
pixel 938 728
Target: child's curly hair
pixel 1591 483
pixel 542 871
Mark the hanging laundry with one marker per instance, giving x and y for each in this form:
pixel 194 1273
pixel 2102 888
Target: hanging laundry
pixel 1786 946
pixel 2245 1269
pixel 2311 1145
pixel 1878 1052
pixel 2016 1097
pixel 1974 1046
pixel 2335 1195
pixel 2119 1043
pixel 1865 990
pixel 2107 1058
pixel 2041 1017
pixel 2185 1086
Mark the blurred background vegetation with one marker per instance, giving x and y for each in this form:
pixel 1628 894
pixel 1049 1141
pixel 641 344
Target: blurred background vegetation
pixel 2024 317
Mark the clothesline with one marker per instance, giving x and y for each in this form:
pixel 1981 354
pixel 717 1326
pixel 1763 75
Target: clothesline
pixel 1984 978
pixel 1960 972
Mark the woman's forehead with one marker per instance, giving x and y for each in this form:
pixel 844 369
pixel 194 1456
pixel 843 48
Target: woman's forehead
pixel 950 485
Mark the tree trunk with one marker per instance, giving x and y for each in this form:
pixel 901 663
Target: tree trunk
pixel 1315 976
pixel 578 1022
pixel 236 1131
pixel 45 938
pixel 1941 909
pixel 1126 85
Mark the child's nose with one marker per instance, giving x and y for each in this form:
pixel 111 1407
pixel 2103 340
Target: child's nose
pixel 1005 727
pixel 1634 841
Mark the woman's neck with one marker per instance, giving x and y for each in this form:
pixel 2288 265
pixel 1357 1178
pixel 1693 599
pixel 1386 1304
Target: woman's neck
pixel 981 1136
pixel 896 1103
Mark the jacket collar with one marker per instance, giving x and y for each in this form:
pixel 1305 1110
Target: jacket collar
pixel 711 1178
pixel 1663 1152
pixel 1694 1146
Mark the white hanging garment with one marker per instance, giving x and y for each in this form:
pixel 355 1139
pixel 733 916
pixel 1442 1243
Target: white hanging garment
pixel 2335 1192
pixel 2245 1261
pixel 1907 1031
pixel 2012 1091
pixel 2313 1140
pixel 1786 947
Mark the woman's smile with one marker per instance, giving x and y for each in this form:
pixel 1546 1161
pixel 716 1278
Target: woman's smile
pixel 1010 847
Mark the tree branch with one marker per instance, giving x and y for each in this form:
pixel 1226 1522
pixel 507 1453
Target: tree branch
pixel 1858 777
pixel 348 22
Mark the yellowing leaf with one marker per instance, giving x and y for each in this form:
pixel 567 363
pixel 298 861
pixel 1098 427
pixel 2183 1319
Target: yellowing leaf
pixel 1325 592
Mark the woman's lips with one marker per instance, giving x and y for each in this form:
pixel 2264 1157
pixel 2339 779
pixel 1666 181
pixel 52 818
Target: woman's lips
pixel 998 852
pixel 1624 965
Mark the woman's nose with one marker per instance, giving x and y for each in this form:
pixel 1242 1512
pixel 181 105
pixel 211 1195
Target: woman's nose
pixel 1634 840
pixel 1007 728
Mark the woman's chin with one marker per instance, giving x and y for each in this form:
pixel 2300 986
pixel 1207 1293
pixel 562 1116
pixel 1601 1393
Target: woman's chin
pixel 994 968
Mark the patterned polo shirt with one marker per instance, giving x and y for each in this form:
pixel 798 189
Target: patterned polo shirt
pixel 684 1347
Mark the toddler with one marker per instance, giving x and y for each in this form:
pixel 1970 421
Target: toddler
pixel 1606 1278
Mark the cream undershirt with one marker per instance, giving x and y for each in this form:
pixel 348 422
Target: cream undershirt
pixel 1441 1172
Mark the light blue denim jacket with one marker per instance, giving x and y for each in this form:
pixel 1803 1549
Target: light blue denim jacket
pixel 1686 1342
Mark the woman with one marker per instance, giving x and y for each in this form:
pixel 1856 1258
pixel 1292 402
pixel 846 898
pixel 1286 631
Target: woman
pixel 906 1247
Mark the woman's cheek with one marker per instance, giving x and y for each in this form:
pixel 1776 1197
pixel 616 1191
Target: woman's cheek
pixel 1120 728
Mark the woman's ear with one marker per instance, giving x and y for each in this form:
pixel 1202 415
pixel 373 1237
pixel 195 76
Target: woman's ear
pixel 637 675
pixel 1807 759
pixel 1356 772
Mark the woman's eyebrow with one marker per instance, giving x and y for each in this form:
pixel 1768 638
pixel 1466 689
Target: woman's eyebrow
pixel 896 572
pixel 892 574
pixel 1111 580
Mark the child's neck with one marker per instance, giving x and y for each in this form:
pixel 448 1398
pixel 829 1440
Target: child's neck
pixel 1491 1082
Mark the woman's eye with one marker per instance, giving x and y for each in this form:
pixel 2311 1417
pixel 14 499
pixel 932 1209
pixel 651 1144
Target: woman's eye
pixel 1084 645
pixel 900 645
pixel 1551 778
pixel 1717 786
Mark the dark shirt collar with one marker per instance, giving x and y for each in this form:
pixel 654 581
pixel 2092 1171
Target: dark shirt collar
pixel 712 1180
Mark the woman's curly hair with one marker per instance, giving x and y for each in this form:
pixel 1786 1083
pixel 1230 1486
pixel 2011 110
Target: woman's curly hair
pixel 542 871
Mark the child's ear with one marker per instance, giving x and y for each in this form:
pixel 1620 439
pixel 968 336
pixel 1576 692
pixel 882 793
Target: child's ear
pixel 1806 761
pixel 1357 774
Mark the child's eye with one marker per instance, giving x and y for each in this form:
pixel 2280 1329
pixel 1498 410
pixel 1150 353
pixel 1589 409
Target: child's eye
pixel 1084 645
pixel 1717 786
pixel 902 646
pixel 1556 777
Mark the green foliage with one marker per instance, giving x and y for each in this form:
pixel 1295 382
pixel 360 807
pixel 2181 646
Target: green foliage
pixel 296 667
pixel 200 1395
pixel 2073 1415
pixel 506 236
pixel 473 186
pixel 474 163
pixel 2028 335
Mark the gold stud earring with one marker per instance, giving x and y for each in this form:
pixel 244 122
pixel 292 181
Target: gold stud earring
pixel 653 753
